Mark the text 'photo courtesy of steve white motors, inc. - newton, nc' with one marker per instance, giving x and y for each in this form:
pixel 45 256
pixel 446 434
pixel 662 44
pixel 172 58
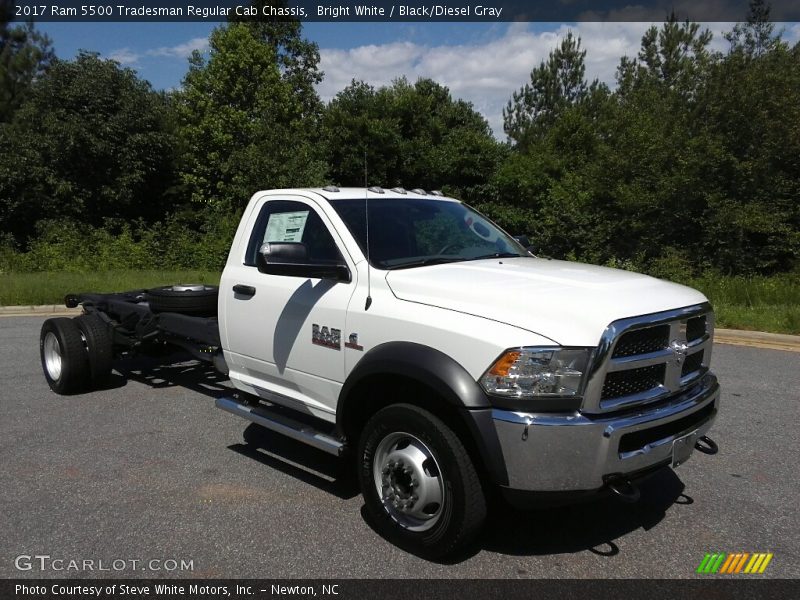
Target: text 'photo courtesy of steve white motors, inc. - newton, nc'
pixel 191 590
pixel 300 10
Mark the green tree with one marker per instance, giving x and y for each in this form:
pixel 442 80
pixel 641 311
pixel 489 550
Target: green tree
pixel 557 179
pixel 358 125
pixel 756 35
pixel 559 124
pixel 676 56
pixel 555 84
pixel 611 176
pixel 752 109
pixel 89 143
pixel 692 163
pixel 414 135
pixel 25 54
pixel 245 125
pixel 297 57
pixel 657 191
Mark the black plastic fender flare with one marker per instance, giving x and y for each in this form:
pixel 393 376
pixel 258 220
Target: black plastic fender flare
pixel 444 376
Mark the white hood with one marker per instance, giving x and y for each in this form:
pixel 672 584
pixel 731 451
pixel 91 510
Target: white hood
pixel 570 303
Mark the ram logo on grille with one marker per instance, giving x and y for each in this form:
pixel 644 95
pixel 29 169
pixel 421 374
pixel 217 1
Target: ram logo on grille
pixel 679 350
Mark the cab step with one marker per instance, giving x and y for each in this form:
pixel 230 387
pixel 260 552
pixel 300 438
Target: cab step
pixel 276 421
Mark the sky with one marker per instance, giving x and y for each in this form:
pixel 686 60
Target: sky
pixel 483 63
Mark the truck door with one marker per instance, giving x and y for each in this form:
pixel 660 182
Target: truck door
pixel 284 333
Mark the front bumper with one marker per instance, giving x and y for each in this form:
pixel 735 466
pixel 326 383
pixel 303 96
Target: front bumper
pixel 578 452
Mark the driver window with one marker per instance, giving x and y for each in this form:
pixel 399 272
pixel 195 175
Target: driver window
pixel 289 221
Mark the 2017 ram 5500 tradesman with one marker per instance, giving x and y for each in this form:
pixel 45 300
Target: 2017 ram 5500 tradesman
pixel 408 331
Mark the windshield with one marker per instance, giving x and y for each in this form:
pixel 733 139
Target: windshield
pixel 413 232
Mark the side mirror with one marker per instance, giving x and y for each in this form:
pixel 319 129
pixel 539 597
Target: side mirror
pixel 525 243
pixel 291 259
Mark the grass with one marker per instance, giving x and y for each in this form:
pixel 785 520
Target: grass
pixel 50 288
pixel 753 303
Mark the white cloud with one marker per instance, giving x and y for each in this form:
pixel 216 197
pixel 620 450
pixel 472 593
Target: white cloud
pixel 488 72
pixel 181 50
pixel 124 56
pixel 128 57
pixel 792 34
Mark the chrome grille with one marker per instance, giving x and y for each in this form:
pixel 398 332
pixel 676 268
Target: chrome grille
pixel 649 358
pixel 635 381
pixel 642 341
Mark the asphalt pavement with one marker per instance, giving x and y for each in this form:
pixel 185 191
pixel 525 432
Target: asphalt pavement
pixel 148 474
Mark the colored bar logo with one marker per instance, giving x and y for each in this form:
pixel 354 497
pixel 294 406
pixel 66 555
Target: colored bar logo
pixel 736 562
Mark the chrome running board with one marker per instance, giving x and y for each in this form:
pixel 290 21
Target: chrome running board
pixel 282 424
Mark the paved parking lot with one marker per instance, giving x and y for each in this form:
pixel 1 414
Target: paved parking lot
pixel 149 470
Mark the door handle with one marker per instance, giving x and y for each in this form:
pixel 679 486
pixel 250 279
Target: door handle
pixel 244 290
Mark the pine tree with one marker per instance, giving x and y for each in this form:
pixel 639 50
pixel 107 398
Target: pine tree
pixel 757 35
pixel 555 84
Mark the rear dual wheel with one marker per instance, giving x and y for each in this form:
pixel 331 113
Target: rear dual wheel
pixel 76 353
pixel 99 345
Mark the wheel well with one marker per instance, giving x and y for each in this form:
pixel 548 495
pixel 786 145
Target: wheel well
pixel 380 390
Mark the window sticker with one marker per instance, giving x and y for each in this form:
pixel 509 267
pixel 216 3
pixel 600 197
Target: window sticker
pixel 286 227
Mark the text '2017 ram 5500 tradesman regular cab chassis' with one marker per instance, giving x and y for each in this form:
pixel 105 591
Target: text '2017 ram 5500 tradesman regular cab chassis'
pixel 406 330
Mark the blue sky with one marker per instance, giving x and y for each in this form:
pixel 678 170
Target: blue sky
pixel 112 39
pixel 480 62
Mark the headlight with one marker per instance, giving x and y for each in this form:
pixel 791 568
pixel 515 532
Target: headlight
pixel 538 372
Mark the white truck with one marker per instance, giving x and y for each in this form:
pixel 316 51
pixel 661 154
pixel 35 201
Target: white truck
pixel 406 332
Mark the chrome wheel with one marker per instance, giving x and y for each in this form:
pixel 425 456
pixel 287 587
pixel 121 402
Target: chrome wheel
pixel 408 481
pixel 52 356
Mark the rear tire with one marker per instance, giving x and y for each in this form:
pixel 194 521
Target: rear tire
pixel 189 299
pixel 419 484
pixel 99 346
pixel 64 359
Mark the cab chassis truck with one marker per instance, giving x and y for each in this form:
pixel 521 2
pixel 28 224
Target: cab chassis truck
pixel 406 332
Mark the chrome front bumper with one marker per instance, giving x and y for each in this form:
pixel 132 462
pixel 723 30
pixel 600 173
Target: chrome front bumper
pixel 576 452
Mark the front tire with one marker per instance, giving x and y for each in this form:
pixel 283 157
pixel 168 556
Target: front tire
pixel 63 354
pixel 418 481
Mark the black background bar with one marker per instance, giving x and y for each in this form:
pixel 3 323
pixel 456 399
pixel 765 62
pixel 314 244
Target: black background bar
pixel 401 11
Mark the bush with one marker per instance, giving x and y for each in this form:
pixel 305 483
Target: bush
pixel 182 241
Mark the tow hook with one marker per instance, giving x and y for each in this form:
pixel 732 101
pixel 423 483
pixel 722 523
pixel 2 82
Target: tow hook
pixel 624 489
pixel 706 445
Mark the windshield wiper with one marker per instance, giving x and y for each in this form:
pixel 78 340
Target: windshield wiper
pixel 424 262
pixel 497 255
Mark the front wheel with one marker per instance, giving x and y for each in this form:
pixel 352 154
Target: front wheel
pixel 418 481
